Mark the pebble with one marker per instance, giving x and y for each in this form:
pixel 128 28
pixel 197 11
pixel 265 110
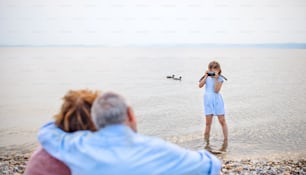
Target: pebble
pixel 285 167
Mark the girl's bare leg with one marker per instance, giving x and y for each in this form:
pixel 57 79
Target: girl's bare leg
pixel 207 128
pixel 224 127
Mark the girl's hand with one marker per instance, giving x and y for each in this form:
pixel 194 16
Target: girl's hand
pixel 216 75
pixel 206 72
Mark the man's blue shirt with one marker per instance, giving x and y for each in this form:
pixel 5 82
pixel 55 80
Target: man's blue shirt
pixel 117 150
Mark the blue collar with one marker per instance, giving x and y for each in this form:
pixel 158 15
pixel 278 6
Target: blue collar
pixel 116 130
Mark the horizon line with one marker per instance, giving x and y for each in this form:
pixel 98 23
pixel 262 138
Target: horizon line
pixel 204 45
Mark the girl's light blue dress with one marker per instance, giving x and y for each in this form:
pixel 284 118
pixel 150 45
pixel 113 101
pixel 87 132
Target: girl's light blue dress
pixel 213 102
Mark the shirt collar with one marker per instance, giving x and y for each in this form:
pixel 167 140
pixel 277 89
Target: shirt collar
pixel 116 130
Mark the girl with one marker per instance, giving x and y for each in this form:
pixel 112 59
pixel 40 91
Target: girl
pixel 213 102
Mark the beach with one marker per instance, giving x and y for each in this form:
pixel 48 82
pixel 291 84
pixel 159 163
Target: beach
pixel 264 99
pixel 13 162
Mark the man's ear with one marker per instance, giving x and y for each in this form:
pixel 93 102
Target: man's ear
pixel 130 113
pixel 132 119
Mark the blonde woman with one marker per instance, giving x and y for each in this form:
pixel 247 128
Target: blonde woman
pixel 73 116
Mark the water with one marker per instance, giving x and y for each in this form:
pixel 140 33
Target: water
pixel 265 96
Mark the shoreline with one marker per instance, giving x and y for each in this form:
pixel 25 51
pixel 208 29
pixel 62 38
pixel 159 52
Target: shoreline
pixel 14 158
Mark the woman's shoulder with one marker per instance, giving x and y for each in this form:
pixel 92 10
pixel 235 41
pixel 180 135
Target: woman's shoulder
pixel 41 162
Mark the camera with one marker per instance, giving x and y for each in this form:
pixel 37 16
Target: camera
pixel 211 74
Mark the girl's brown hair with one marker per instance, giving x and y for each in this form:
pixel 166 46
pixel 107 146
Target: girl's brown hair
pixel 216 65
pixel 75 111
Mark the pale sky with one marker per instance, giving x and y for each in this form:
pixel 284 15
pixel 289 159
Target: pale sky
pixel 143 22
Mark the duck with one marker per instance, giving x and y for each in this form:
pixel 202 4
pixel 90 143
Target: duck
pixel 180 78
pixel 170 76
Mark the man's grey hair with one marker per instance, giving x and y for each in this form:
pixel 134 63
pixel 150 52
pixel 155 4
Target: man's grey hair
pixel 108 109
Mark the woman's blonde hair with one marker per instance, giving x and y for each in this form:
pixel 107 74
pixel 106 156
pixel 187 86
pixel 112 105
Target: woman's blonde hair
pixel 216 65
pixel 75 111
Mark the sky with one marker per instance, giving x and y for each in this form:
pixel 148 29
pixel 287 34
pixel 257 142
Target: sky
pixel 155 22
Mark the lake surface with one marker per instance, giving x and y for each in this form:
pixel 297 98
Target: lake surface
pixel 265 95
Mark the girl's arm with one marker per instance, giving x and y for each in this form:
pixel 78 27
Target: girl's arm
pixel 218 85
pixel 202 82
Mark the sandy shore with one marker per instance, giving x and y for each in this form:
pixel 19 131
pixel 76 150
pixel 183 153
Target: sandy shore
pixel 13 162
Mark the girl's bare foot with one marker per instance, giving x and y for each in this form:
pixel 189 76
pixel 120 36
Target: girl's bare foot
pixel 224 145
pixel 206 139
